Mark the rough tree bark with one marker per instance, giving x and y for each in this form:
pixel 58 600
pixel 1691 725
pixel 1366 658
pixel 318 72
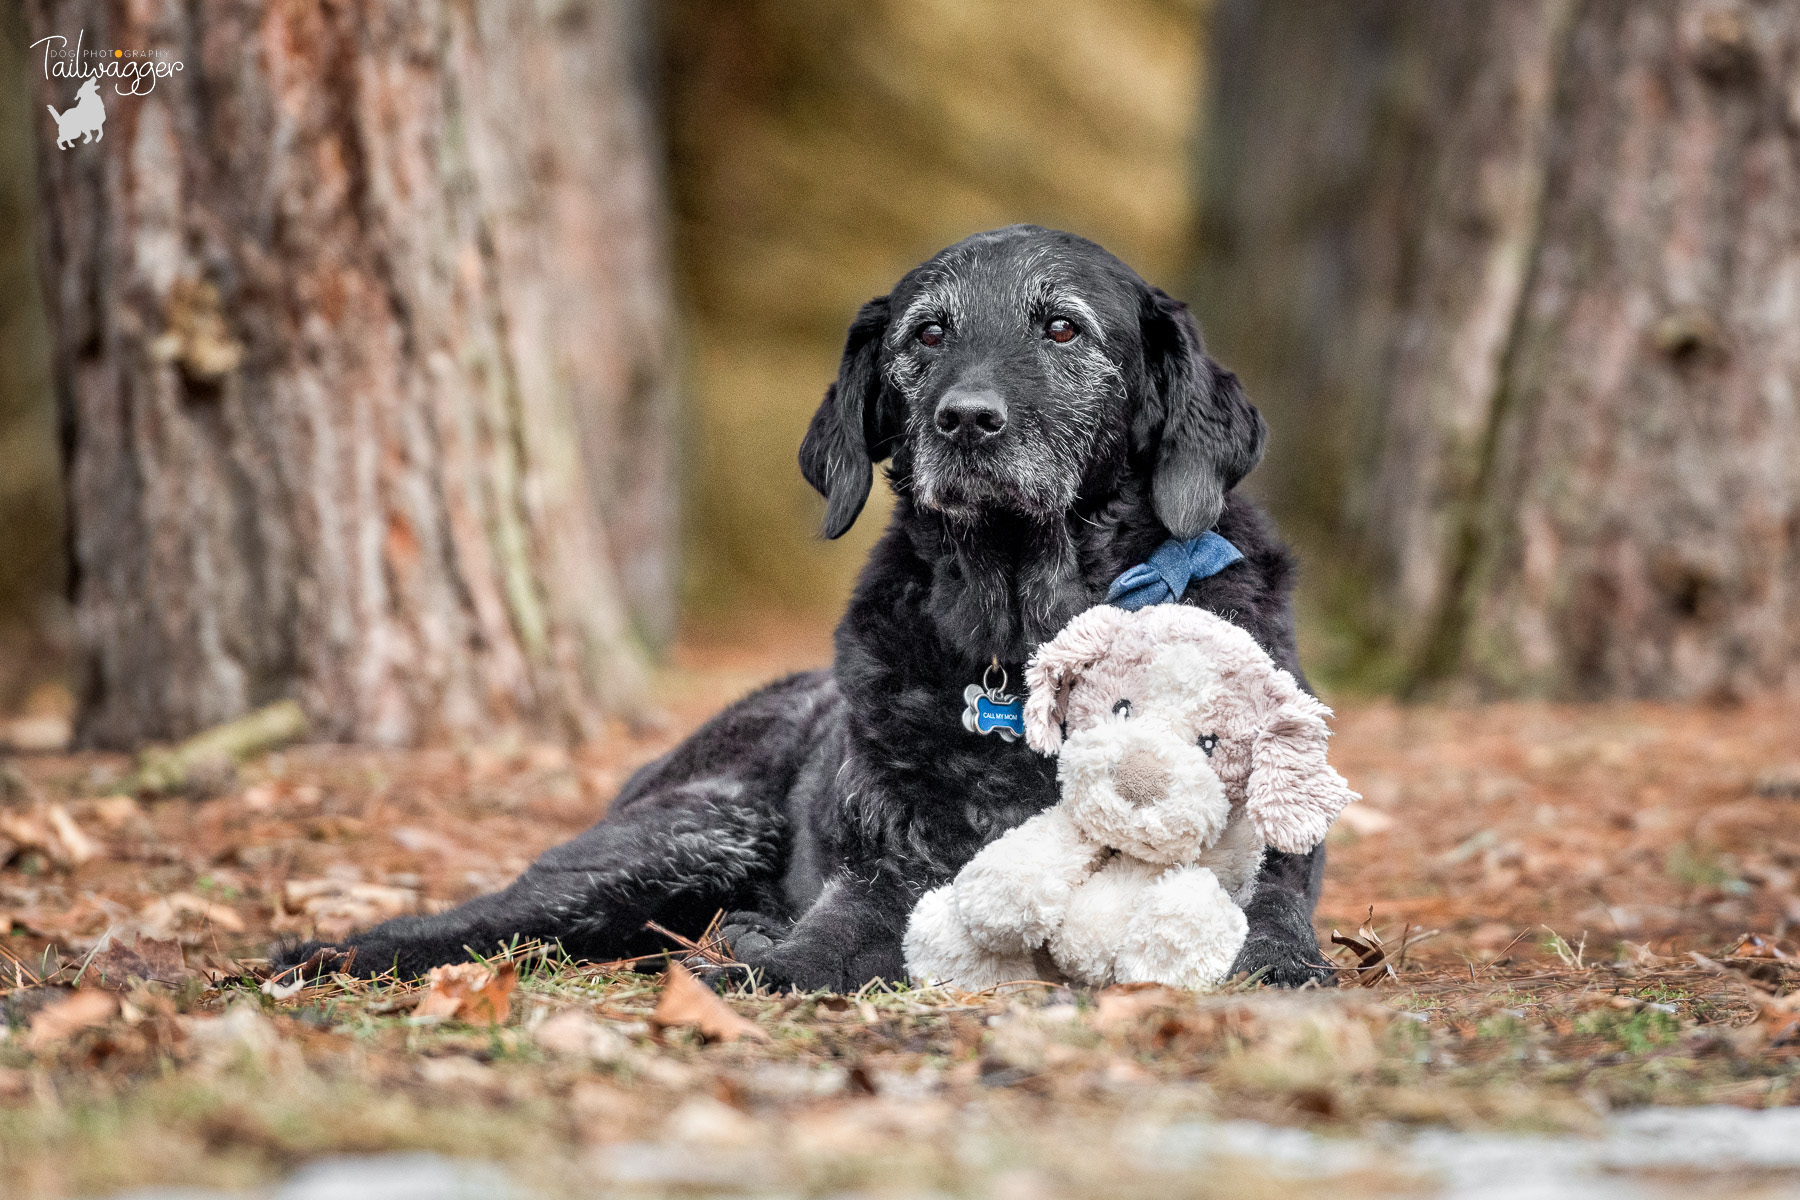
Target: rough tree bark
pixel 1540 299
pixel 360 340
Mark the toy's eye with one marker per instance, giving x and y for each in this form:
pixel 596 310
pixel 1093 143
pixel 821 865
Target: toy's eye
pixel 1209 742
pixel 1122 709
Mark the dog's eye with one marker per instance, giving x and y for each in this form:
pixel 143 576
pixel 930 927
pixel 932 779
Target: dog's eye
pixel 1060 330
pixel 1122 709
pixel 931 335
pixel 1209 742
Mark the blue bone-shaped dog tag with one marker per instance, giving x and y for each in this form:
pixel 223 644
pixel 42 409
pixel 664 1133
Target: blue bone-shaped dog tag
pixel 987 712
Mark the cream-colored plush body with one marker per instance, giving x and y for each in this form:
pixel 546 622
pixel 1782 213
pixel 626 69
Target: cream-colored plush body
pixel 1187 751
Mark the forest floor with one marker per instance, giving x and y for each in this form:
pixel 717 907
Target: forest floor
pixel 1580 913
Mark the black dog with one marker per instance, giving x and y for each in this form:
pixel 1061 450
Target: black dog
pixel 1051 419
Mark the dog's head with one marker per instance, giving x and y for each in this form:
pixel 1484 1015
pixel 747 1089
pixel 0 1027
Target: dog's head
pixel 1171 713
pixel 1019 370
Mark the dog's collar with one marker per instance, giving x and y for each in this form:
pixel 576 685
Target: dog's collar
pixel 992 709
pixel 1171 568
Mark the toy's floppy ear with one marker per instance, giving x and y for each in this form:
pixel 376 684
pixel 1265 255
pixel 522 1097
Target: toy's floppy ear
pixel 850 430
pixel 1056 667
pixel 1293 793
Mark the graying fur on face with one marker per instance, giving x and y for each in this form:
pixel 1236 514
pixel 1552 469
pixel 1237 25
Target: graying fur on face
pixel 1036 467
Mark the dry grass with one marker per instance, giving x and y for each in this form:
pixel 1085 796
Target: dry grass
pixel 1559 900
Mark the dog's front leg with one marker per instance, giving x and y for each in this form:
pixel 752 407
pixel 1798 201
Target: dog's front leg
pixel 1281 942
pixel 850 935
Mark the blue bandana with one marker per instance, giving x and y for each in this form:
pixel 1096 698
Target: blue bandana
pixel 1166 576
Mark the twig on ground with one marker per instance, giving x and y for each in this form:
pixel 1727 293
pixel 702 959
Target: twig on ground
pixel 1512 943
pixel 712 949
pixel 1559 946
pixel 20 970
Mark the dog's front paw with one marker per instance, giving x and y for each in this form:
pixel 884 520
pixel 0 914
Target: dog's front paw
pixel 290 961
pixel 750 935
pixel 748 938
pixel 1282 950
pixel 1283 961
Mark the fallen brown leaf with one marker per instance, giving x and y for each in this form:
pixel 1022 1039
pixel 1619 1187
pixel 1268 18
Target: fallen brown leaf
pixel 73 1013
pixel 469 992
pixel 688 1003
pixel 1372 963
pixel 337 907
pixel 147 958
pixel 1753 945
pixel 166 913
pixel 39 923
pixel 50 829
pixel 1779 1017
pixel 78 846
pixel 1777 1021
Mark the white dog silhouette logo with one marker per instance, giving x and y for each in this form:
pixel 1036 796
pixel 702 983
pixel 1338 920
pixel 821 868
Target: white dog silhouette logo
pixel 86 120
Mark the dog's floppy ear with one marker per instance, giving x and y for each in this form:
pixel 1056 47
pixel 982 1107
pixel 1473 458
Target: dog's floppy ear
pixel 1206 433
pixel 1058 665
pixel 849 432
pixel 1293 794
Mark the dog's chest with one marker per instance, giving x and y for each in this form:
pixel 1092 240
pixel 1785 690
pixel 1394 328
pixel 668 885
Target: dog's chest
pixel 989 821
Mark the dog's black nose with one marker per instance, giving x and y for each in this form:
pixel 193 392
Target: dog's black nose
pixel 971 416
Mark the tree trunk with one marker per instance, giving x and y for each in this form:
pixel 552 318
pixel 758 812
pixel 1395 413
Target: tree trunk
pixel 1559 340
pixel 360 340
pixel 31 542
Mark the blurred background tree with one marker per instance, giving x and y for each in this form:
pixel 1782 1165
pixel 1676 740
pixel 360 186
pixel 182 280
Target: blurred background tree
pixel 359 334
pixel 1518 286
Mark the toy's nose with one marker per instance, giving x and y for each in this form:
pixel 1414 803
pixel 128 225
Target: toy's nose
pixel 1141 778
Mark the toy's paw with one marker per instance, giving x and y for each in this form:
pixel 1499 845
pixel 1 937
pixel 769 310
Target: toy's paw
pixel 1012 934
pixel 1010 910
pixel 1182 930
pixel 1277 961
pixel 941 951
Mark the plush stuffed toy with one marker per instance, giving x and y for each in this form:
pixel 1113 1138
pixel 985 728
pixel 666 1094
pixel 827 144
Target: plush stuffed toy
pixel 1184 751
